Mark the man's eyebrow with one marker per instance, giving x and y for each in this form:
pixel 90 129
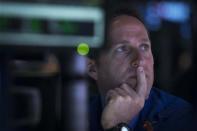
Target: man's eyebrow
pixel 145 40
pixel 123 42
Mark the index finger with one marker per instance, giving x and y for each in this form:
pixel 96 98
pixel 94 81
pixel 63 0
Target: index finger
pixel 141 82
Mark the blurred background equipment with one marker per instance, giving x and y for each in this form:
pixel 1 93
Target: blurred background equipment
pixel 42 76
pixel 50 25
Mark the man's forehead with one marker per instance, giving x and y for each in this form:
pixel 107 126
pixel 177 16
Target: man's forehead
pixel 128 23
pixel 125 19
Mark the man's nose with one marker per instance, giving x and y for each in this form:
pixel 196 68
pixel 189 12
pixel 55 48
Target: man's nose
pixel 137 60
pixel 135 64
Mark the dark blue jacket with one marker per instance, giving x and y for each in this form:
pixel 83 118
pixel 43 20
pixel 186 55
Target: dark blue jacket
pixel 161 112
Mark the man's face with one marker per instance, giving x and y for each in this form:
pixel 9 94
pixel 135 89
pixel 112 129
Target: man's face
pixel 129 47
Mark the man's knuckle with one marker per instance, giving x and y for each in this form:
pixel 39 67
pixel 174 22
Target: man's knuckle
pixel 119 98
pixel 128 98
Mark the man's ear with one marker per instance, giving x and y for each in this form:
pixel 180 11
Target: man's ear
pixel 92 69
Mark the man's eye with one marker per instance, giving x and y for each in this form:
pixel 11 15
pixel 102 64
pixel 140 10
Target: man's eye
pixel 122 49
pixel 144 47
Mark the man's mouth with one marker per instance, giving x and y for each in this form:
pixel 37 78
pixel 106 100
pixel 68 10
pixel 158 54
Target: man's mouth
pixel 131 82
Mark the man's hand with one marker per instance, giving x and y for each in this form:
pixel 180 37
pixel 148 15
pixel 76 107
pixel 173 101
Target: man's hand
pixel 124 103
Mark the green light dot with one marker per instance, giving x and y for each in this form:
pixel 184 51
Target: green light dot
pixel 83 49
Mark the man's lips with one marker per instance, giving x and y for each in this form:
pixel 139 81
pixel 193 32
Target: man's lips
pixel 131 81
pixel 135 76
pixel 132 77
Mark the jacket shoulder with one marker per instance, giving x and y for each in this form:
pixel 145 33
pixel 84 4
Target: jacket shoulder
pixel 173 113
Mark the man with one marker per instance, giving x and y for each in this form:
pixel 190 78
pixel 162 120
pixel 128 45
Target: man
pixel 124 75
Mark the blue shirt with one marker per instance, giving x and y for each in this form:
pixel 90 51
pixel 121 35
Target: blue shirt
pixel 163 112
